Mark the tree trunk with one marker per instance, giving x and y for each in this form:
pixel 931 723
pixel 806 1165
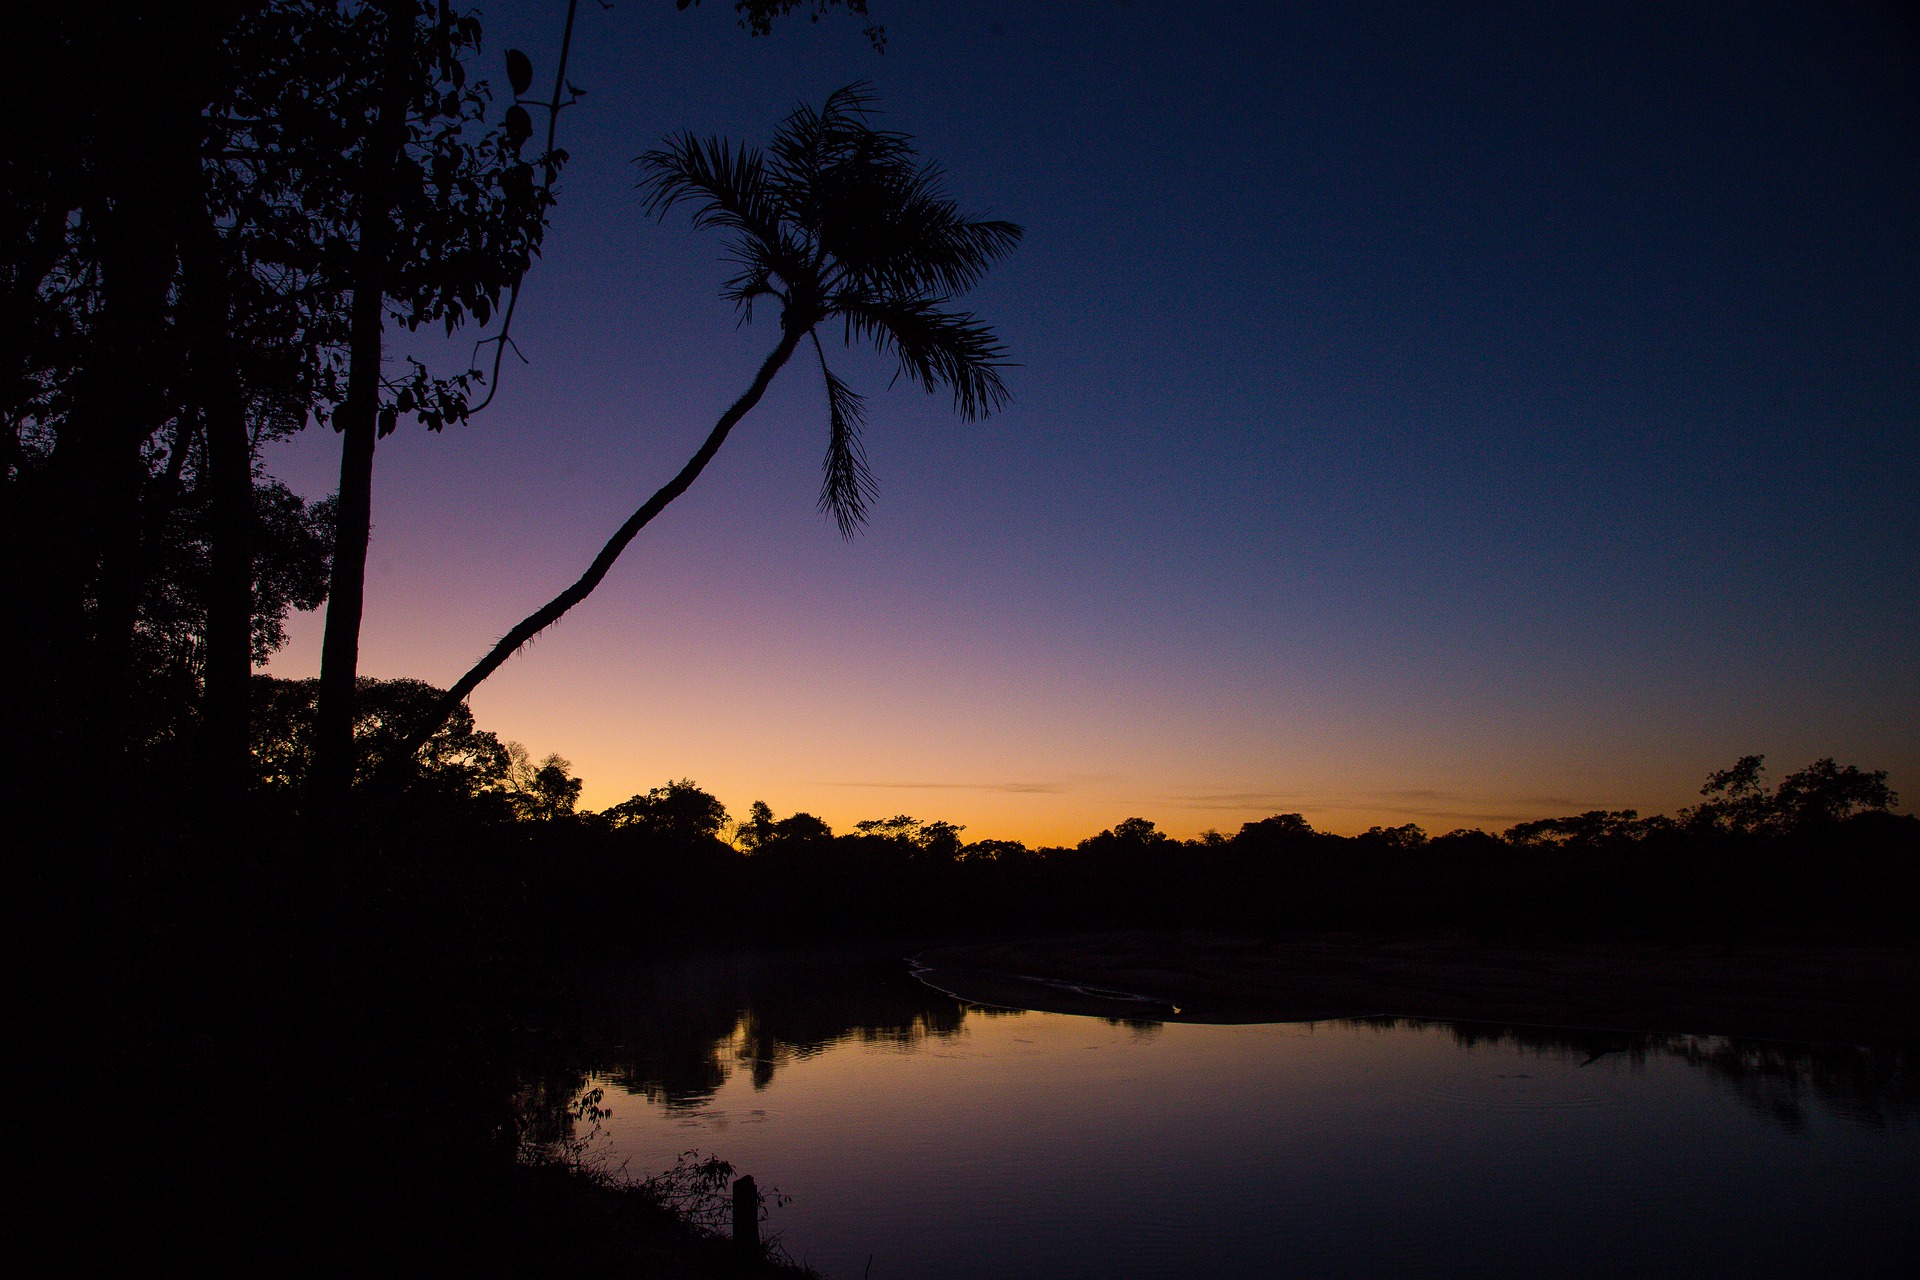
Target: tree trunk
pixel 99 467
pixel 551 612
pixel 332 776
pixel 216 382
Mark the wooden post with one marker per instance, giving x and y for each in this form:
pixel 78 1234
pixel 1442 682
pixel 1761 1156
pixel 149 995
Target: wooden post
pixel 746 1217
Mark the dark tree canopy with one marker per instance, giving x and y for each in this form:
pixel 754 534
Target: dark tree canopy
pixel 677 811
pixel 757 16
pixel 1820 794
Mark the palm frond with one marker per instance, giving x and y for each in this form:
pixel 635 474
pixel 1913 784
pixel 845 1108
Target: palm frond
pixel 847 486
pixel 729 190
pixel 951 252
pixel 728 187
pixel 823 164
pixel 808 141
pixel 856 101
pixel 754 279
pixel 914 239
pixel 934 347
pixel 838 218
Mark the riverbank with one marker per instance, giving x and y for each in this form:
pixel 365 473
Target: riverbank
pixel 1850 995
pixel 574 1221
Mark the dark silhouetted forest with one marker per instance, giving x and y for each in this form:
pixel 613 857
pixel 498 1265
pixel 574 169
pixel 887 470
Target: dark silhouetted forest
pixel 1819 855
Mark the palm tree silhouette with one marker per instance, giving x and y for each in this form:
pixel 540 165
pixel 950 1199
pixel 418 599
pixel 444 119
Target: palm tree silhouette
pixel 835 221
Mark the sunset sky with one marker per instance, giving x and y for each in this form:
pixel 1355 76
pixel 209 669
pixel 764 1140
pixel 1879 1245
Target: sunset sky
pixel 1447 414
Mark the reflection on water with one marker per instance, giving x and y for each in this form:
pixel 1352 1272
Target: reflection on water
pixel 676 1032
pixel 1782 1082
pixel 681 1030
pixel 943 1139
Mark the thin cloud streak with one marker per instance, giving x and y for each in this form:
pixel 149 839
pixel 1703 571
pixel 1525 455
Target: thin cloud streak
pixel 1440 804
pixel 1015 788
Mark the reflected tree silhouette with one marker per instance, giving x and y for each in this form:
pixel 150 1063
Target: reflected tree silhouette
pixel 1870 1086
pixel 675 1032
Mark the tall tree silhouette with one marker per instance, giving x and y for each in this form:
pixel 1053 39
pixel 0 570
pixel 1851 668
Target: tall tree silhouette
pixel 87 255
pixel 153 337
pixel 836 221
pixel 445 216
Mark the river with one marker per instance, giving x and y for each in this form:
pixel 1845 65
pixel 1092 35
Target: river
pixel 921 1137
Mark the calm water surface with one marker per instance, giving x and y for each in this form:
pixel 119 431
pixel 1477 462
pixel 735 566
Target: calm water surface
pixel 921 1137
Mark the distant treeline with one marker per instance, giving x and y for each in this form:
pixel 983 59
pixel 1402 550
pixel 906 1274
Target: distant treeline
pixel 1821 854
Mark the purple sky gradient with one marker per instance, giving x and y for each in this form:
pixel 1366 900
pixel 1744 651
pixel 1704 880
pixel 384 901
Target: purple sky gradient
pixel 1453 418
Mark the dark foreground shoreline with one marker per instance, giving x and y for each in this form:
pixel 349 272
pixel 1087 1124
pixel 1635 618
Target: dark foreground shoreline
pixel 1815 994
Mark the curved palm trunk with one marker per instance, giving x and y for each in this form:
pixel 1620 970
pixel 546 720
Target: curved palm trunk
pixel 551 612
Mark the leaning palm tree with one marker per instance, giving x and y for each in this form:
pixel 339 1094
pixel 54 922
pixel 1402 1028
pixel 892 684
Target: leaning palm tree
pixel 836 223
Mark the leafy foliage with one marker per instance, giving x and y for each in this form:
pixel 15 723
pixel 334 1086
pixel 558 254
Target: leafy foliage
pixel 938 840
pixel 459 757
pixel 1819 795
pixel 1594 825
pixel 178 262
pixel 757 16
pixel 545 791
pixel 467 207
pixel 679 811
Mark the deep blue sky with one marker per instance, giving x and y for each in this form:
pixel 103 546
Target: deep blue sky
pixel 1454 414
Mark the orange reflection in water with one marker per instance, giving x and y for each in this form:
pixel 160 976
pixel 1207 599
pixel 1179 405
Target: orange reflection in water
pixel 1048 1145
